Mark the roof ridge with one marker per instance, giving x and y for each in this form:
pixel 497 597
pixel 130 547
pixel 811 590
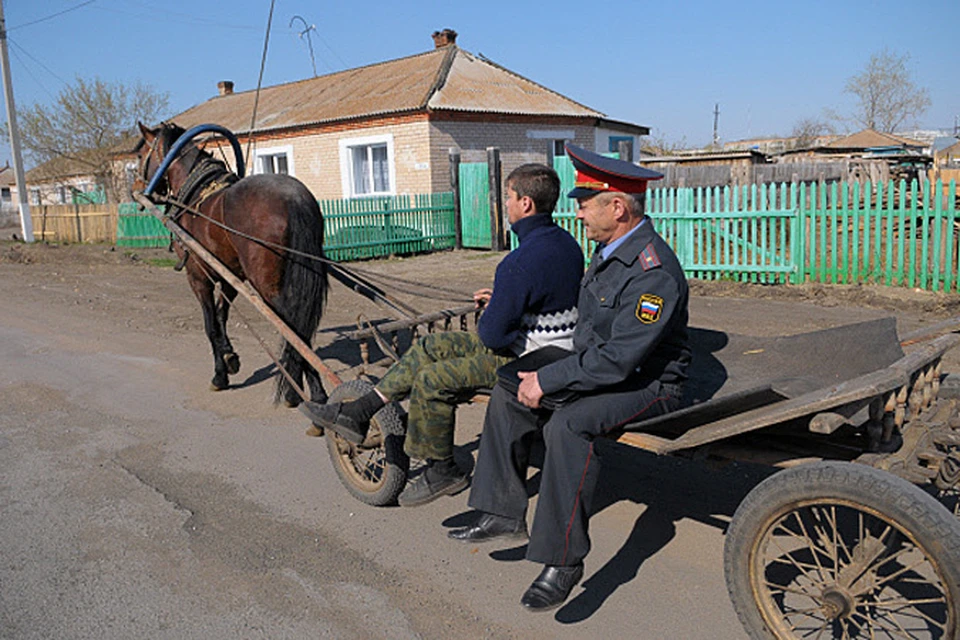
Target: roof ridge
pixel 327 75
pixel 443 72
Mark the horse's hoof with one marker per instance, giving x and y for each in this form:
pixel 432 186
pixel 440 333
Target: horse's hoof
pixel 218 385
pixel 214 387
pixel 232 361
pixel 314 431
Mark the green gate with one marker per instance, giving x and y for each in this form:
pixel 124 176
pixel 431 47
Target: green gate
pixel 475 205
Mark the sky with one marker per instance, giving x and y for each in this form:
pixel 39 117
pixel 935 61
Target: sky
pixel 666 65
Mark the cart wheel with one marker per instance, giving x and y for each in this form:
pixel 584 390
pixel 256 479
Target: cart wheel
pixel 375 471
pixel 839 550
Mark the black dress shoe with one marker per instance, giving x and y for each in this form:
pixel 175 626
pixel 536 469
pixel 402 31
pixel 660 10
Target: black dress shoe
pixel 329 416
pixel 551 587
pixel 491 527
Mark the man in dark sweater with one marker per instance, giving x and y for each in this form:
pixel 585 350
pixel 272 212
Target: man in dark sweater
pixel 630 358
pixel 532 305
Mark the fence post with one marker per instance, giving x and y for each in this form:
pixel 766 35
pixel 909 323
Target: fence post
pixel 76 212
pixel 455 185
pixel 496 199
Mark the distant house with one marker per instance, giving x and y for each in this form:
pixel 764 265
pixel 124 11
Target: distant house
pixel 947 154
pixel 387 128
pixel 63 181
pixel 867 154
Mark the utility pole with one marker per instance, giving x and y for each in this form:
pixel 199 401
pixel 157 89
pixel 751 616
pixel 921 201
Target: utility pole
pixel 26 224
pixel 716 120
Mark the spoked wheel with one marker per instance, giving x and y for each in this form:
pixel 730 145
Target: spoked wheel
pixel 839 550
pixel 374 471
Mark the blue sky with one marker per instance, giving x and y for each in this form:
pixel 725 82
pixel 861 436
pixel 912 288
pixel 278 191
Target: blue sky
pixel 662 64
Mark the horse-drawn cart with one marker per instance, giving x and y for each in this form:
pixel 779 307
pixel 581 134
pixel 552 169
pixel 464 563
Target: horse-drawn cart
pixel 857 537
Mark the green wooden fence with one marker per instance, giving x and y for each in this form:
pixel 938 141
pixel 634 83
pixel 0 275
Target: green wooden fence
pixel 353 229
pixel 381 226
pixel 895 233
pixel 136 228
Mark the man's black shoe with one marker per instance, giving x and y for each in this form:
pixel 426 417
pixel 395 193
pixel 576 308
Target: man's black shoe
pixel 329 416
pixel 439 478
pixel 491 527
pixel 551 587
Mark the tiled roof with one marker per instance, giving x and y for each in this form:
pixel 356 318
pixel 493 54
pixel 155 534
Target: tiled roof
pixel 868 138
pixel 447 78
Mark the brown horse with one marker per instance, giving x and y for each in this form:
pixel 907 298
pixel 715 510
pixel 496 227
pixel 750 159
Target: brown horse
pixel 246 223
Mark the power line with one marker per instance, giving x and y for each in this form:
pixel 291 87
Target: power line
pixel 52 16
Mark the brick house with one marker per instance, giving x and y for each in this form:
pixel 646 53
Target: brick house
pixel 387 128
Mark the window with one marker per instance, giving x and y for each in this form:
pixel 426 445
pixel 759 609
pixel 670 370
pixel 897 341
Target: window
pixel 61 195
pixel 5 194
pixel 559 148
pixel 274 160
pixel 35 196
pixel 615 144
pixel 367 166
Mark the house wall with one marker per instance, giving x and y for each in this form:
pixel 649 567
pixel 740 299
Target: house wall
pixel 50 192
pixel 519 142
pixel 316 154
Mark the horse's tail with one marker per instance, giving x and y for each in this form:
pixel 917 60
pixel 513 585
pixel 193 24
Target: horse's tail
pixel 303 291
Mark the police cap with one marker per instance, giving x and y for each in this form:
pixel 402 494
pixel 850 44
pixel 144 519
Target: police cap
pixel 596 173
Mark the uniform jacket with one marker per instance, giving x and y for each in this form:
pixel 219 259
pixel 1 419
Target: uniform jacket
pixel 632 320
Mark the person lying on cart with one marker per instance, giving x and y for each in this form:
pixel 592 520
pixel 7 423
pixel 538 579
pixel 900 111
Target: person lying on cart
pixel 532 304
pixel 631 352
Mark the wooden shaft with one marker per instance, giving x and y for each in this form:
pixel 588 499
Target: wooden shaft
pixel 246 290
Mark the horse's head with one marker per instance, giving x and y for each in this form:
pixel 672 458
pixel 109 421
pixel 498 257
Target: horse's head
pixel 151 150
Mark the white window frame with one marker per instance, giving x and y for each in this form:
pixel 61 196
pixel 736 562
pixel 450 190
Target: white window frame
pixel 286 150
pixel 346 164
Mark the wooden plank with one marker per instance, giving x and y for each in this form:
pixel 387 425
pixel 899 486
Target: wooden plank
pixel 872 384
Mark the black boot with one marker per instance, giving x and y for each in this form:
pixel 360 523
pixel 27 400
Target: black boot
pixel 349 420
pixel 439 478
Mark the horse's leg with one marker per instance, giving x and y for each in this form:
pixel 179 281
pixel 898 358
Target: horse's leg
pixel 203 288
pixel 293 363
pixel 227 295
pixel 317 392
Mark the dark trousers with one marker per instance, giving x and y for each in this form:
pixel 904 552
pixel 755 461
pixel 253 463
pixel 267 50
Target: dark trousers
pixel 571 466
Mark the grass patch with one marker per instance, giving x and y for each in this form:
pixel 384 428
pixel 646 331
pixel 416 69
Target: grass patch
pixel 162 262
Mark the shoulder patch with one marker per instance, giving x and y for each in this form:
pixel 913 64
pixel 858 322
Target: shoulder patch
pixel 649 258
pixel 648 308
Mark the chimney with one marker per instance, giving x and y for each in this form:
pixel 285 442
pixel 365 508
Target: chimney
pixel 443 38
pixel 225 87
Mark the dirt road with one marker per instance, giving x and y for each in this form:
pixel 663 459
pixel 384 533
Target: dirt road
pixel 135 502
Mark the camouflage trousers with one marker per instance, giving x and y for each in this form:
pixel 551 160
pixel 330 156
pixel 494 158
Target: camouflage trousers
pixel 438 372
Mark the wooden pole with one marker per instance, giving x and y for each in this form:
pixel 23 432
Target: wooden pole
pixel 455 185
pixel 496 199
pixel 245 289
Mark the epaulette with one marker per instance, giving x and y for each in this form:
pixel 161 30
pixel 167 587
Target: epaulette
pixel 649 258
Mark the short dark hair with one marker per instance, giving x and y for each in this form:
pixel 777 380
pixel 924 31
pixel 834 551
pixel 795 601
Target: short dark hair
pixel 539 182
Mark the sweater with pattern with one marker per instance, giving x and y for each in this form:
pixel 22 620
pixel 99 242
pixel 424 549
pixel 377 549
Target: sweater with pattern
pixel 535 289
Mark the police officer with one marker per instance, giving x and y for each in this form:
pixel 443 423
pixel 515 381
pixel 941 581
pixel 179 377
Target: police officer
pixel 532 305
pixel 629 363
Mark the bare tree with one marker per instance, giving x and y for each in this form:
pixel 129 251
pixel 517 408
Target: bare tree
pixel 888 97
pixel 807 130
pixel 659 145
pixel 84 125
